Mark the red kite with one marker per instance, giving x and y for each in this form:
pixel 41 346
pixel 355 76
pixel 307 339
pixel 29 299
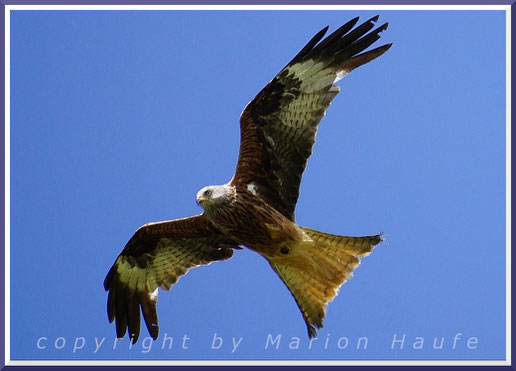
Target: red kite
pixel 255 208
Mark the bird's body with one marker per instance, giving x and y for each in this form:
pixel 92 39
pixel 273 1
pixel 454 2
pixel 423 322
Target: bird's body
pixel 325 261
pixel 251 222
pixel 256 207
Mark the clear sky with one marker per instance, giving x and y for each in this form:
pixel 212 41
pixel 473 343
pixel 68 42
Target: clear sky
pixel 118 118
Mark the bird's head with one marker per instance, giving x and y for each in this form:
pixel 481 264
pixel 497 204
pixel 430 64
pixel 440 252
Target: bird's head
pixel 213 196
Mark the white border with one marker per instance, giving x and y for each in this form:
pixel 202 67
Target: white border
pixel 7 214
pixel 257 7
pixel 8 361
pixel 260 363
pixel 508 185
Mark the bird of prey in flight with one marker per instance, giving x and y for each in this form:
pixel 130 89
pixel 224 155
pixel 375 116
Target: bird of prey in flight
pixel 255 208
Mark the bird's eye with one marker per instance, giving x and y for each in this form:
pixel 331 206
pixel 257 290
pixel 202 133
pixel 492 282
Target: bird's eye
pixel 207 193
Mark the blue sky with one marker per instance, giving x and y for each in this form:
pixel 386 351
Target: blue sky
pixel 118 118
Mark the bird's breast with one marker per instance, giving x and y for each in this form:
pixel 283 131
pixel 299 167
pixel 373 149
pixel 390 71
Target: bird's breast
pixel 254 223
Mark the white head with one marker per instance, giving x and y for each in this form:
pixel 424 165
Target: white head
pixel 213 196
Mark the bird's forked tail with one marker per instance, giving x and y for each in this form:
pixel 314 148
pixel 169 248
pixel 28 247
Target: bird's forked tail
pixel 331 260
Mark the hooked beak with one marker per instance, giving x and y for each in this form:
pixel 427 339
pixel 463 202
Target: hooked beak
pixel 200 200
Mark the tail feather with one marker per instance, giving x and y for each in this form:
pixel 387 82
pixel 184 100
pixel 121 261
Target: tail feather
pixel 332 260
pixel 310 295
pixel 361 246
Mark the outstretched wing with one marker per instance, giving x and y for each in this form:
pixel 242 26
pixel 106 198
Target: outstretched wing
pixel 157 255
pixel 278 126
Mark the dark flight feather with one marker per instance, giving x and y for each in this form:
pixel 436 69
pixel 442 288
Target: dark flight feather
pixel 278 126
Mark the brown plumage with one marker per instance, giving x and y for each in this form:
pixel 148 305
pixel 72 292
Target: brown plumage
pixel 157 255
pixel 256 208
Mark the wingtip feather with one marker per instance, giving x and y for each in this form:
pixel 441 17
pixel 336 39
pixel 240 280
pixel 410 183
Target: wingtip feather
pixel 150 316
pixel 111 305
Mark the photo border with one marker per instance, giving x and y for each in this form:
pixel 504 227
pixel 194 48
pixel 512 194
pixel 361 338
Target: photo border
pixel 7 6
